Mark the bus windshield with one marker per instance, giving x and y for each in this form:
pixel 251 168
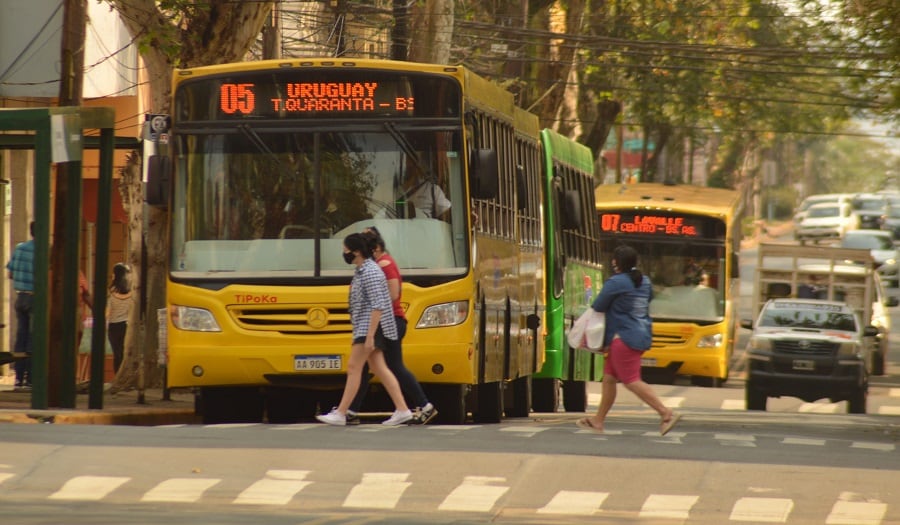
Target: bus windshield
pixel 255 200
pixel 685 277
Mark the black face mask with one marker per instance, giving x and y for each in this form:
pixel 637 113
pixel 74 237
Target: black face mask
pixel 348 257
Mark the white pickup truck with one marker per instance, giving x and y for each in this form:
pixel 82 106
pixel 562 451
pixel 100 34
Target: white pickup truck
pixel 821 325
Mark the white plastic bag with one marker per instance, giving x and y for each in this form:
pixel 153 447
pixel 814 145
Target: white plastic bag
pixel 587 331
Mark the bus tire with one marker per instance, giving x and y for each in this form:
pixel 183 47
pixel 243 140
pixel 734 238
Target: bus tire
pixel 289 405
pixel 450 401
pixel 856 404
pixel 489 402
pixel 878 363
pixel 755 399
pixel 544 394
pixel 520 397
pixel 231 405
pixel 574 396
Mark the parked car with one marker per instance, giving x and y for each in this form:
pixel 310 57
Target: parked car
pixel 890 221
pixel 818 199
pixel 811 349
pixel 881 245
pixel 869 207
pixel 827 221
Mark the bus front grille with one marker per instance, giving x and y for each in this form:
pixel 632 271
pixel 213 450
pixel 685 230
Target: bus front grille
pixel 289 319
pixel 666 340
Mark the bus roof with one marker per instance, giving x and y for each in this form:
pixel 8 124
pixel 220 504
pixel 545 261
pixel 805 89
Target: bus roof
pixel 680 197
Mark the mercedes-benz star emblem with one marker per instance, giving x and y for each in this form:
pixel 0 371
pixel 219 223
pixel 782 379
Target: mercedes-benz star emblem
pixel 317 317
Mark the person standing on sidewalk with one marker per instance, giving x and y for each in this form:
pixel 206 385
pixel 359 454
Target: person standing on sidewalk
pixel 20 269
pixel 625 299
pixel 393 354
pixel 373 325
pixel 118 310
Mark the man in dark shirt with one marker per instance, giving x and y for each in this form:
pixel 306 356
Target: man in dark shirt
pixel 20 269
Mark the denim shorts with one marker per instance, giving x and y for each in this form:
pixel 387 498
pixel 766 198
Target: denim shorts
pixel 381 341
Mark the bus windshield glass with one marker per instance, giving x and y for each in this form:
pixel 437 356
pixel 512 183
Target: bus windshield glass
pixel 258 202
pixel 686 267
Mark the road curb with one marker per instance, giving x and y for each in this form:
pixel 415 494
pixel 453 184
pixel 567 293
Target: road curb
pixel 178 416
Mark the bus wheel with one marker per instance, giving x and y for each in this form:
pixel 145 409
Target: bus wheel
pixel 450 401
pixel 857 402
pixel 520 397
pixel 490 402
pixel 755 399
pixel 230 405
pixel 289 405
pixel 544 394
pixel 878 363
pixel 574 396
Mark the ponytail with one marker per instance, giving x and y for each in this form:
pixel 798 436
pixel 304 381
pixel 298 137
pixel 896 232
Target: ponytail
pixel 626 257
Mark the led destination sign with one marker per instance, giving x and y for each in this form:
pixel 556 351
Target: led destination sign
pixel 665 224
pixel 241 98
pixel 326 93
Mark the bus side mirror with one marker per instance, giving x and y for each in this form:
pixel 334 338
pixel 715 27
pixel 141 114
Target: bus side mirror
pixel 484 174
pixel 159 177
pixel 571 210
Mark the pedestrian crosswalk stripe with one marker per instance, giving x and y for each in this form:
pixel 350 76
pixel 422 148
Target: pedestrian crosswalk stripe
pixel 574 502
pixel 886 447
pixel 475 494
pixel 5 476
pixel 179 490
pixel 378 490
pixel 528 431
pixel 803 441
pixel 672 402
pixel 737 440
pixel 818 408
pixel 733 404
pixel 277 488
pixel 88 488
pixel 856 513
pixel 667 506
pixel 767 510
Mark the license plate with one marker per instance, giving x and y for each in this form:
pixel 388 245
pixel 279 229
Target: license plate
pixel 317 363
pixel 804 364
pixel 648 361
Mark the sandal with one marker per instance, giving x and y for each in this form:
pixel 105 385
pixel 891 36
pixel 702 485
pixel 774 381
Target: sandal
pixel 669 424
pixel 586 424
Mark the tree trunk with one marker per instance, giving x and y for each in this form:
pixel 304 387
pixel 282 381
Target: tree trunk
pixel 432 23
pixel 219 32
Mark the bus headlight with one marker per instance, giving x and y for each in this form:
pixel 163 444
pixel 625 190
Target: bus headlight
pixel 447 314
pixel 710 341
pixel 193 319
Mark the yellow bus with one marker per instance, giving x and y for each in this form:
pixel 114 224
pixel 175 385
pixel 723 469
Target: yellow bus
pixel 273 163
pixel 688 240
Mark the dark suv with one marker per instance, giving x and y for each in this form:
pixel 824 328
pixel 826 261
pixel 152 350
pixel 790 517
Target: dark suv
pixel 811 349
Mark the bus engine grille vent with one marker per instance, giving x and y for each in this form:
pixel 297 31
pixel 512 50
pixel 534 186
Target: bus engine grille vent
pixel 289 319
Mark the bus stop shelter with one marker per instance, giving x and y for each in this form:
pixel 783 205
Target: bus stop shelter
pixel 56 134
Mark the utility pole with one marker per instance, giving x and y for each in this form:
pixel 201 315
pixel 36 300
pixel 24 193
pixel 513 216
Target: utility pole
pixel 272 33
pixel 65 238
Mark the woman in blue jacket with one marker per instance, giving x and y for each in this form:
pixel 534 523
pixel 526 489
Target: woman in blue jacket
pixel 625 300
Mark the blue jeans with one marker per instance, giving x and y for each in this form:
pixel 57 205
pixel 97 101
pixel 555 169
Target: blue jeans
pixel 393 356
pixel 24 302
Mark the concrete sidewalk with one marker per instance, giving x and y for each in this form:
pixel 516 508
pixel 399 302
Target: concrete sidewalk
pixel 122 408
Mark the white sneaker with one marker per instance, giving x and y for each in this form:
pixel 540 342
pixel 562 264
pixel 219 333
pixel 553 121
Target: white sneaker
pixel 398 418
pixel 333 418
